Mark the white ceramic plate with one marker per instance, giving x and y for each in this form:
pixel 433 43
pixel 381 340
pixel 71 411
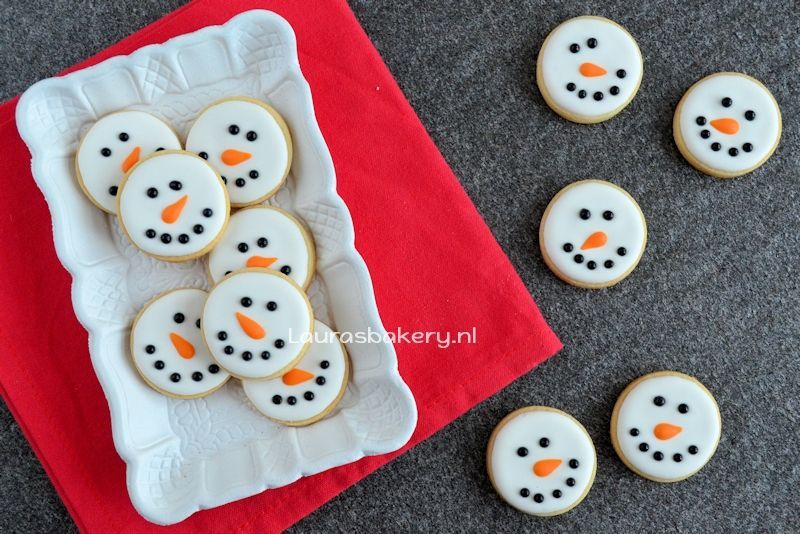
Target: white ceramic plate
pixel 186 455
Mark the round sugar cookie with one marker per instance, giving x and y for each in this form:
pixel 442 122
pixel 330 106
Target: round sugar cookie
pixel 168 349
pixel 265 237
pixel 541 461
pixel 173 206
pixel 311 389
pixel 113 145
pixel 592 234
pixel 257 323
pixel 727 124
pixel 589 69
pixel 665 426
pixel 249 145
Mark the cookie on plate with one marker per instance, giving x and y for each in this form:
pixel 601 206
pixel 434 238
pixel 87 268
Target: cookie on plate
pixel 113 145
pixel 589 69
pixel 592 234
pixel 727 124
pixel 541 461
pixel 665 426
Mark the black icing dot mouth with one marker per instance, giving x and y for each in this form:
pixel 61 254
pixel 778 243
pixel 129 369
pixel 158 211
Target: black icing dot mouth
pixel 716 146
pixel 613 90
pixel 161 365
pixel 557 493
pixel 659 456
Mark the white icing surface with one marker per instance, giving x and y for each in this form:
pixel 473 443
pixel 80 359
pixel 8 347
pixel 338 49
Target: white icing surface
pixel 615 50
pixel 269 153
pixel 100 173
pixel 325 347
pixel 512 472
pixel 290 322
pixel 705 100
pixel 154 327
pixel 701 426
pixel 285 244
pixel 563 224
pixel 199 183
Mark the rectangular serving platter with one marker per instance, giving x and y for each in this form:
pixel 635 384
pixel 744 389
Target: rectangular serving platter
pixel 187 455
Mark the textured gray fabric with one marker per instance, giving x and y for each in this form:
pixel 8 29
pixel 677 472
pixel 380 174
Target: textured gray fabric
pixel 716 294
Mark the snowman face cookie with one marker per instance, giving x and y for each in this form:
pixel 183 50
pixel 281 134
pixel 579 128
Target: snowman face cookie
pixel 727 124
pixel 173 206
pixel 541 461
pixel 248 143
pixel 592 234
pixel 168 348
pixel 589 69
pixel 665 426
pixel 264 237
pixel 257 323
pixel 112 146
pixel 308 391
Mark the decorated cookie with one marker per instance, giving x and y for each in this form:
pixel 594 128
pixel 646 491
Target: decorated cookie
pixel 173 206
pixel 112 146
pixel 727 124
pixel 589 69
pixel 592 234
pixel 541 461
pixel 264 237
pixel 168 348
pixel 308 391
pixel 665 426
pixel 257 323
pixel 248 143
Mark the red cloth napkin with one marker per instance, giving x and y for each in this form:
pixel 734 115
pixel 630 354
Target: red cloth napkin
pixel 434 264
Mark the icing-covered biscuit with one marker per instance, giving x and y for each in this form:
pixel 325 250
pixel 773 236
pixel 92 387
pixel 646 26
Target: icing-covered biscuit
pixel 173 206
pixel 265 237
pixel 541 461
pixel 112 146
pixel 257 323
pixel 311 389
pixel 727 124
pixel 168 348
pixel 665 426
pixel 248 143
pixel 589 69
pixel 592 234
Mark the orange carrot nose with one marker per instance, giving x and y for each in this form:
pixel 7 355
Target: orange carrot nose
pixel 727 125
pixel 171 213
pixel 234 157
pixel 590 70
pixel 250 327
pixel 542 468
pixel 260 261
pixel 131 159
pixel 296 376
pixel 665 431
pixel 596 240
pixel 184 348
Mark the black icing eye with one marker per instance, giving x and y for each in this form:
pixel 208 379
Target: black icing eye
pixel 683 408
pixel 574 48
pixel 585 214
pixel 246 302
pixel 105 152
pixel 124 136
pixel 203 155
pixel 749 114
pixel 253 174
pixel 175 185
pixel 286 270
pixel 621 73
pixel 251 136
pixel 727 102
pixel 262 242
pixel 659 400
pixel 544 442
pixel 701 121
pixel 591 43
pixel 272 305
pixel 522 451
pixel 178 318
pixel 152 192
pixel 233 129
pixel 608 215
pixel 243 247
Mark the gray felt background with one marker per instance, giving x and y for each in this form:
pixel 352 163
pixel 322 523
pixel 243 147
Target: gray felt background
pixel 716 295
